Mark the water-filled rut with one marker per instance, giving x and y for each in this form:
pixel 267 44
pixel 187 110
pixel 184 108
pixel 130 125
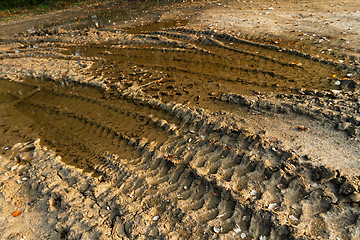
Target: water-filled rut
pixel 68 117
pixel 206 60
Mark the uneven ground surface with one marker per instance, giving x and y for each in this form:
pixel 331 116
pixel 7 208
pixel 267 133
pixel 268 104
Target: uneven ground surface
pixel 182 120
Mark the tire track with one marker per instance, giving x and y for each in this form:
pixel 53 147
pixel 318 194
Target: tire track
pixel 259 171
pixel 227 181
pixel 220 175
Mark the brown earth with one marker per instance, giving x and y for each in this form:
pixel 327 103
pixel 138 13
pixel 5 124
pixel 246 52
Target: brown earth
pixel 182 120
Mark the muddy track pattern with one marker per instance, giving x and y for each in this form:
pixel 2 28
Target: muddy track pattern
pixel 203 163
pixel 222 176
pixel 67 114
pixel 220 63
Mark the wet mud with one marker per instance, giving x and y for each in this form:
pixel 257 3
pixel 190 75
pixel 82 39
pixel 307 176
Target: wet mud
pixel 169 132
pixel 57 112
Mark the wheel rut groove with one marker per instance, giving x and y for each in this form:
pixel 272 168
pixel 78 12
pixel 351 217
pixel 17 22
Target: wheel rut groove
pixel 158 124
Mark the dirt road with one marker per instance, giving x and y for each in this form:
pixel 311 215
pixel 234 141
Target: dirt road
pixel 182 120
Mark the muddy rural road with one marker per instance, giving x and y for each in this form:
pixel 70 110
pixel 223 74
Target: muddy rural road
pixel 182 120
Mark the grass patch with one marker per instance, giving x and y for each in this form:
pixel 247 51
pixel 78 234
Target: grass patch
pixel 16 4
pixel 14 9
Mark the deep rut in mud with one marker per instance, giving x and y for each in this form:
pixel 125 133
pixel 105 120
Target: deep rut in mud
pixel 199 65
pixel 69 116
pixel 215 175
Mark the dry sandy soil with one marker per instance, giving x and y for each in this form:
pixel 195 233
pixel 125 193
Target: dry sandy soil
pixel 182 120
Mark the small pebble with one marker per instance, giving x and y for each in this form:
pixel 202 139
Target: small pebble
pixel 243 235
pixel 293 218
pixel 272 206
pixel 237 230
pixel 217 229
pixel 155 218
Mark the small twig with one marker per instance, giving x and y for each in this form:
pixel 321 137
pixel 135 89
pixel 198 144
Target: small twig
pixel 25 97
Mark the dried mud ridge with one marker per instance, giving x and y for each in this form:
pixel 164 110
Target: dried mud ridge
pixel 165 160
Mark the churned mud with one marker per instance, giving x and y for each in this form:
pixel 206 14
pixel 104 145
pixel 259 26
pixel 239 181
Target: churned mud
pixel 182 120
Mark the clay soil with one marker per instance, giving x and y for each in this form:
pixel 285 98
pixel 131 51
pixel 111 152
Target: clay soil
pixel 182 120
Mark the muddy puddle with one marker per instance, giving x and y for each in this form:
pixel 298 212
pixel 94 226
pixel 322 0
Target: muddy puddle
pixel 168 64
pixel 196 67
pixel 154 26
pixel 78 121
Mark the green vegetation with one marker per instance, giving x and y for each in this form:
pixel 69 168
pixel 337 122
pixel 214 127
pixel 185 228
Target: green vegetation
pixel 12 4
pixel 14 9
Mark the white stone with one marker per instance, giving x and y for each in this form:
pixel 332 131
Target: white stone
pixel 217 229
pixel 272 206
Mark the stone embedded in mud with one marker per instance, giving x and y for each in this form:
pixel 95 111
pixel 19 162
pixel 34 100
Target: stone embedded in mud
pixel 347 188
pixel 272 206
pixel 13 168
pixel 237 230
pixel 83 187
pixel 119 228
pixel 22 170
pixel 19 181
pixel 316 227
pixel 355 197
pixel 52 204
pixel 353 131
pixel 293 218
pixel 217 229
pixel 302 128
pixel 343 126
